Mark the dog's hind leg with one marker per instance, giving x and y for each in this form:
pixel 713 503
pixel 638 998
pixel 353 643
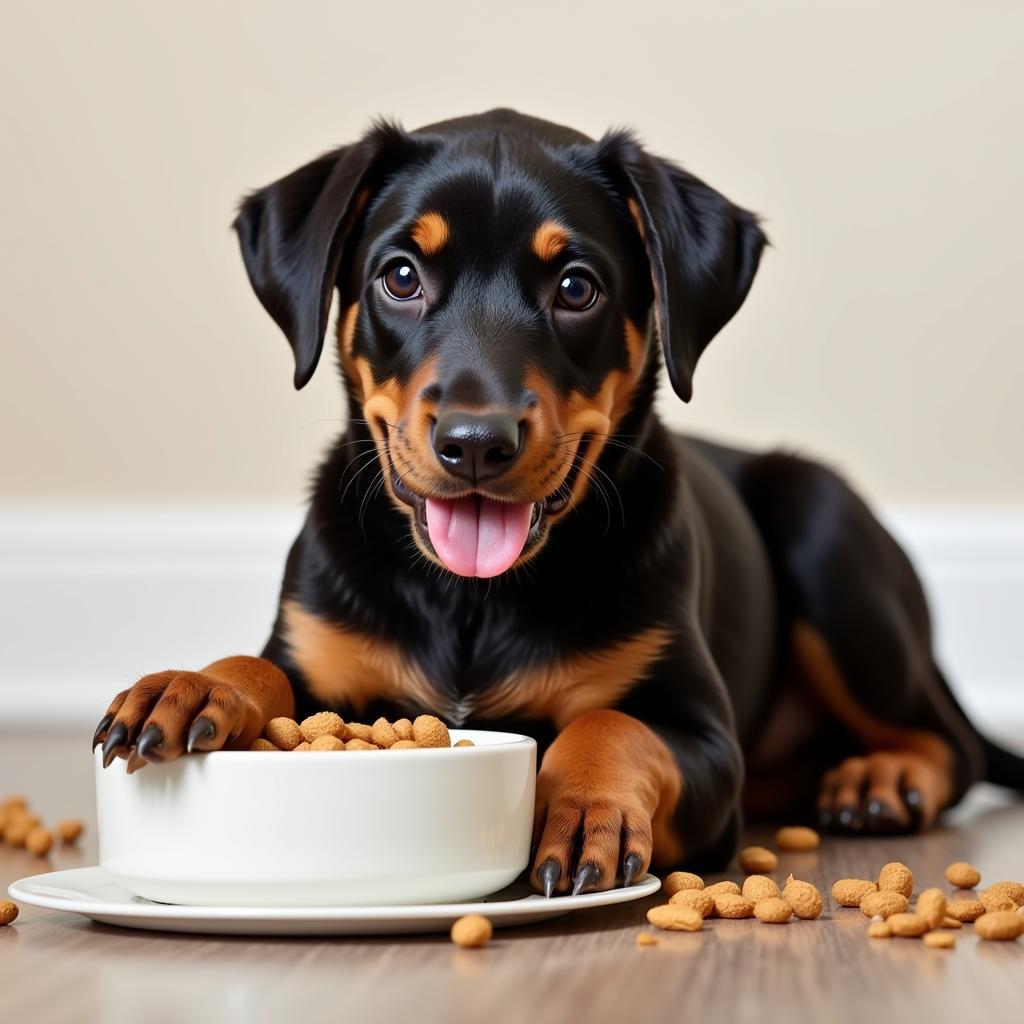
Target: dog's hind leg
pixel 861 641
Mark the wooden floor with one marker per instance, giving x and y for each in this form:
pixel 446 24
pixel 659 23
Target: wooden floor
pixel 56 967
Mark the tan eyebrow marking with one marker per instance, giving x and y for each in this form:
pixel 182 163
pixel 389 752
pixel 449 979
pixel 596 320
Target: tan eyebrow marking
pixel 430 232
pixel 549 240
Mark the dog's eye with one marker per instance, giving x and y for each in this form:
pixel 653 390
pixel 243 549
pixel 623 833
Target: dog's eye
pixel 576 292
pixel 402 282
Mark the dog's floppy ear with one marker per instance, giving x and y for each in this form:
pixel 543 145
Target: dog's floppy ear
pixel 703 250
pixel 293 234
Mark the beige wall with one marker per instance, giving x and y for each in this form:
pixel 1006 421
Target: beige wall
pixel 882 141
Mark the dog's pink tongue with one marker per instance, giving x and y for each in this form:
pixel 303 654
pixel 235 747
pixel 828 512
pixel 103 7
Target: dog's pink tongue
pixel 477 536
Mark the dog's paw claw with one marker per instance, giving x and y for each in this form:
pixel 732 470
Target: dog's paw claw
pixel 630 867
pixel 101 729
pixel 200 730
pixel 548 874
pixel 116 738
pixel 150 741
pixel 587 875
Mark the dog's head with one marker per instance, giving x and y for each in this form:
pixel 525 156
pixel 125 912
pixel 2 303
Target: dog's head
pixel 501 279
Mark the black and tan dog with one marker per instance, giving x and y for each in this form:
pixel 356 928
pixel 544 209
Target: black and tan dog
pixel 506 535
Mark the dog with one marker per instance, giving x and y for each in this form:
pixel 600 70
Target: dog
pixel 508 537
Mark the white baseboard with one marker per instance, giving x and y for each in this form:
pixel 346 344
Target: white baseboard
pixel 93 596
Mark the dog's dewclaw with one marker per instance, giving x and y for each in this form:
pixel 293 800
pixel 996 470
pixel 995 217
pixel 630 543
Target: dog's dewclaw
pixel 429 731
pixel 472 931
pixel 676 881
pixel 284 733
pixel 759 887
pixel 931 905
pixel 963 875
pixel 773 910
pixel 908 926
pixel 260 743
pixel 897 877
pixel 646 939
pixel 1004 925
pixel 69 830
pixel 382 732
pixel 697 899
pixel 757 860
pixel 797 839
pixel 879 930
pixel 804 898
pixel 323 723
pixel 939 940
pixel 965 910
pixel 884 904
pixel 730 905
pixel 674 918
pixel 1012 889
pixel 8 912
pixel 848 892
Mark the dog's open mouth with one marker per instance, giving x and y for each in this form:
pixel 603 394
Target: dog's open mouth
pixel 477 535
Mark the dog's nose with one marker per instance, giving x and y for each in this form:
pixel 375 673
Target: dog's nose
pixel 476 448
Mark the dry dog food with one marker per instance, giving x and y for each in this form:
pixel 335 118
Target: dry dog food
pixel 697 899
pixel 8 912
pixel 773 910
pixel 797 839
pixel 848 892
pixel 1005 925
pixel 679 880
pixel 884 904
pixel 472 931
pixel 69 830
pixel 909 926
pixel 674 918
pixel 963 875
pixel 759 887
pixel 965 910
pixel 327 730
pixel 1012 889
pixel 804 898
pixel 879 930
pixel 756 860
pixel 728 904
pixel 939 940
pixel 931 905
pixel 897 877
pixel 646 939
pixel 729 887
pixel 19 827
pixel 994 900
pixel 951 922
pixel 39 841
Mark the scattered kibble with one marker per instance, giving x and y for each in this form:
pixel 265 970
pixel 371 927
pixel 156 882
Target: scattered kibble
pixel 759 887
pixel 728 887
pixel 674 918
pixel 472 931
pixel 908 926
pixel 1015 891
pixel 994 900
pixel 939 940
pixel 678 880
pixel 39 841
pixel 8 912
pixel 730 905
pixel 797 839
pixel 804 898
pixel 1000 925
pixel 698 899
pixel 898 878
pixel 884 904
pixel 931 905
pixel 965 910
pixel 951 922
pixel 757 860
pixel 646 939
pixel 963 875
pixel 848 892
pixel 773 910
pixel 69 830
pixel 879 930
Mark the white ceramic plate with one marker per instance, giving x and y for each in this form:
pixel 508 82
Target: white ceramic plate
pixel 94 894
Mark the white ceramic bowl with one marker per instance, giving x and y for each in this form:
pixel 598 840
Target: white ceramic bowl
pixel 236 828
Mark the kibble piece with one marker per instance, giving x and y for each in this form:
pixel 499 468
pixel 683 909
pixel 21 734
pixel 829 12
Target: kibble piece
pixel 646 939
pixel 884 904
pixel 963 875
pixel 69 830
pixel 323 723
pixel 8 912
pixel 359 745
pixel 908 926
pixel 897 877
pixel 465 743
pixel 951 922
pixel 302 748
pixel 39 841
pixel 797 838
pixel 939 940
pixel 757 860
pixel 848 892
pixel 403 728
pixel 359 731
pixel 429 731
pixel 472 931
pixel 1012 889
pixel 965 910
pixel 383 734
pixel 995 900
pixel 284 733
pixel 675 881
pixel 697 899
pixel 804 898
pixel 773 910
pixel 674 918
pixel 760 887
pixel 1005 925
pixel 879 930
pixel 17 831
pixel 263 744
pixel 327 742
pixel 931 905
pixel 405 745
pixel 14 802
pixel 729 905
pixel 727 887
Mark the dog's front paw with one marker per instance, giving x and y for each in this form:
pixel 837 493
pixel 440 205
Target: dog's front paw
pixel 604 784
pixel 168 713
